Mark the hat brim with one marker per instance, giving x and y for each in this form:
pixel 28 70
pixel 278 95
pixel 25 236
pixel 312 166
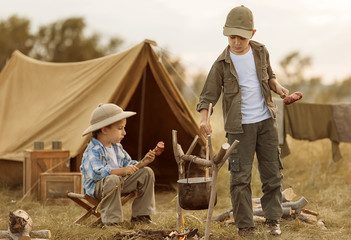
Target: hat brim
pixel 108 121
pixel 237 32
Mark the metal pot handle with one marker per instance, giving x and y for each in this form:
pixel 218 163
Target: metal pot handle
pixel 187 175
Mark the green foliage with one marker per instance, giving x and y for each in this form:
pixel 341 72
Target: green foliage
pixel 15 34
pixel 64 41
pixel 293 66
pixel 61 41
pixel 174 67
pixel 293 77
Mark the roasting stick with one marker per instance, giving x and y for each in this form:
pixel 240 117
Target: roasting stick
pixel 207 170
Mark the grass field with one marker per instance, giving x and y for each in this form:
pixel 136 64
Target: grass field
pixel 309 170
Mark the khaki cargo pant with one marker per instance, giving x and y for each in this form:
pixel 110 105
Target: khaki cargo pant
pixel 260 138
pixel 142 180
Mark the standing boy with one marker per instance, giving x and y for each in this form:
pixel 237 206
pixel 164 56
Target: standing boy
pixel 104 163
pixel 244 75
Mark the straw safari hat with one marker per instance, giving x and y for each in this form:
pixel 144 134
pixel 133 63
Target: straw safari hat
pixel 106 114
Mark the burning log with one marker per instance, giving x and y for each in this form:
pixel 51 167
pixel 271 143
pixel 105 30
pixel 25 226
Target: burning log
pixel 20 227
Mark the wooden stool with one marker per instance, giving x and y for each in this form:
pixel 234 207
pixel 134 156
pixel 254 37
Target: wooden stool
pixel 90 204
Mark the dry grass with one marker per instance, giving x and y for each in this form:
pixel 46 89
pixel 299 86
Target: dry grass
pixel 309 170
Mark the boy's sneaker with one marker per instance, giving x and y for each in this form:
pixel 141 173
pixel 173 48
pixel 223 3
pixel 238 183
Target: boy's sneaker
pixel 273 227
pixel 247 232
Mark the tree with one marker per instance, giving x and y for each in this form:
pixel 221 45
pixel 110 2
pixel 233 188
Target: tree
pixel 294 66
pixel 174 67
pixel 61 41
pixel 64 41
pixel 14 35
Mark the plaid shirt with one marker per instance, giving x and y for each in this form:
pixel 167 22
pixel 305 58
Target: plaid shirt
pixel 96 163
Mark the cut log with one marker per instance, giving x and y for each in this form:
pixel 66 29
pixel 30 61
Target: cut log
pixel 41 234
pixel 288 195
pixel 297 206
pixel 320 223
pixel 259 219
pixel 287 211
pixel 310 212
pixel 223 216
pixel 307 218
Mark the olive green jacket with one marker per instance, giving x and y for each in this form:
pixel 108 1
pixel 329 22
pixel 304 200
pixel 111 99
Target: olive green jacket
pixel 223 78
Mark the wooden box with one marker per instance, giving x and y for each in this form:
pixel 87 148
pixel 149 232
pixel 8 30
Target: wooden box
pixel 54 186
pixel 40 161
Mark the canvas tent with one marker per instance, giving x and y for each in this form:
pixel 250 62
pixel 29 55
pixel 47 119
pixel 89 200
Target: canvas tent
pixel 53 101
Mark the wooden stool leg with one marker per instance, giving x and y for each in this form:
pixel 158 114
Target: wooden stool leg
pixel 85 200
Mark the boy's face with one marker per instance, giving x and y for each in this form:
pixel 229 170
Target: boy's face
pixel 116 131
pixel 239 45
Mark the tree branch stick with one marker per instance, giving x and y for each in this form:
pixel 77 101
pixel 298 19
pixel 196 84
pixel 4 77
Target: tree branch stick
pixel 192 145
pixel 197 160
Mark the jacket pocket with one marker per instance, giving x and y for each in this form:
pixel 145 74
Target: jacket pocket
pixel 229 86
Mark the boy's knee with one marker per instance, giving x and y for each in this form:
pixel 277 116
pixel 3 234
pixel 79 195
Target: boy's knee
pixel 147 171
pixel 112 181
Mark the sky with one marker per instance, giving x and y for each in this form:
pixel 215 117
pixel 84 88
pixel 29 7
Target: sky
pixel 192 29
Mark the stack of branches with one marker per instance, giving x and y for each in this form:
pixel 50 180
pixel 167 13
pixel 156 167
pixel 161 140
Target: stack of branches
pixel 291 210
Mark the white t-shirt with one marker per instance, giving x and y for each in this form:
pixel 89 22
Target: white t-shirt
pixel 111 152
pixel 253 107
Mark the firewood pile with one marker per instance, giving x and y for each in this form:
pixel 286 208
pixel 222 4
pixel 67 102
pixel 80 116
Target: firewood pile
pixel 20 227
pixel 291 210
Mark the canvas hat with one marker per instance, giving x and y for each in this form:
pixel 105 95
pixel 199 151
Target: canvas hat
pixel 106 114
pixel 239 22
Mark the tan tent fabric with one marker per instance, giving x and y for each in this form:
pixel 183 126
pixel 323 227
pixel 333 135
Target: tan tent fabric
pixel 53 101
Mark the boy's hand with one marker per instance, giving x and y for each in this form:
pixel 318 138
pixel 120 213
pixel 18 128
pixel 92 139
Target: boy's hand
pixel 277 88
pixel 205 128
pixel 130 170
pixel 149 157
pixel 282 91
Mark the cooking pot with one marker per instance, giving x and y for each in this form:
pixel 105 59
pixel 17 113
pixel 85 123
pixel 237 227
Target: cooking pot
pixel 194 193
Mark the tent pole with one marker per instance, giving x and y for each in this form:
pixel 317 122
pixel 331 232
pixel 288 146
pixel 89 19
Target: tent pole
pixel 141 121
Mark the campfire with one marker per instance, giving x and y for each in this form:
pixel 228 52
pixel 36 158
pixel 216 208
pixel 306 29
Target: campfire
pixel 159 235
pixel 187 234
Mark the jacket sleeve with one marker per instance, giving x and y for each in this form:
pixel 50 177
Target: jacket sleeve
pixel 270 72
pixel 212 88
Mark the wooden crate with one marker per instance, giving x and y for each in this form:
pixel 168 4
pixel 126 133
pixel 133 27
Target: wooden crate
pixel 54 186
pixel 40 161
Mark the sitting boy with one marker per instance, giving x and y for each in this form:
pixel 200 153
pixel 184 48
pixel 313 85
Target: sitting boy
pixel 104 163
